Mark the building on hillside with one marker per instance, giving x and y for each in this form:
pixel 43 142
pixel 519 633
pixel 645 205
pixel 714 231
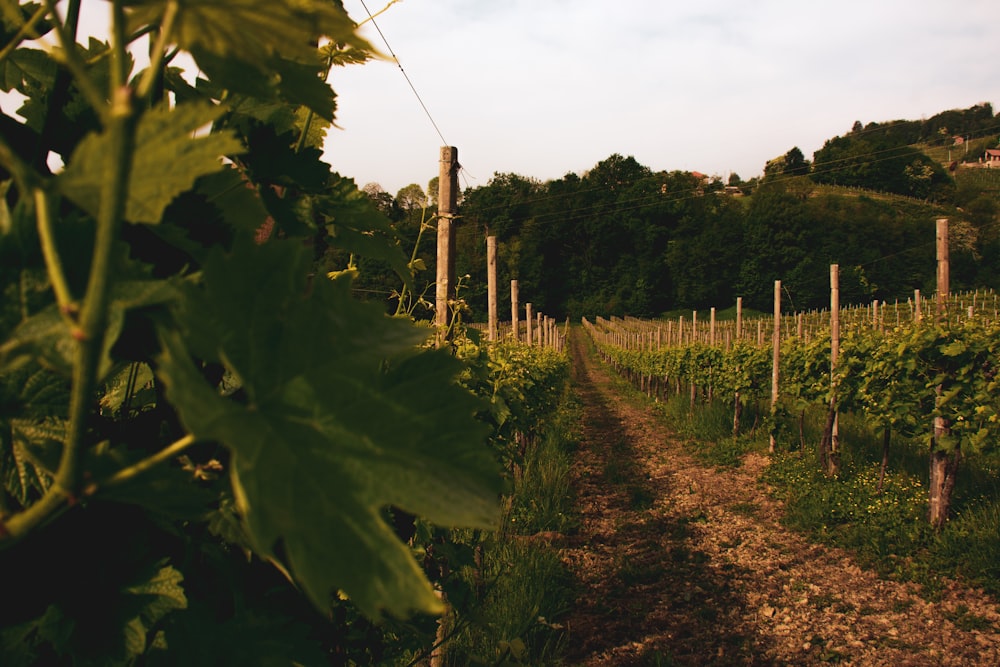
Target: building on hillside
pixel 992 158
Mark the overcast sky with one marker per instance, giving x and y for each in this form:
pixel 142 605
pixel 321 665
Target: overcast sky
pixel 545 87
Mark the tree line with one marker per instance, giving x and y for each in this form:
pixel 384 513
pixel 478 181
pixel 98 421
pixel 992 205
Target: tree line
pixel 622 238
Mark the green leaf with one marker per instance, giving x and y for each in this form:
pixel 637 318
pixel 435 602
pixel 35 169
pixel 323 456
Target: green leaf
pixel 167 161
pixel 286 81
pixel 344 416
pixel 46 336
pixel 358 227
pixel 162 594
pixel 27 70
pixel 236 199
pixel 252 31
pixel 954 348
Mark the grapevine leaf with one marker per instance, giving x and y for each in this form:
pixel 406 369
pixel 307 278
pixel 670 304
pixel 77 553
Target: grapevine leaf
pixel 954 348
pixel 198 636
pixel 251 31
pixel 161 594
pixel 343 417
pixel 290 82
pixel 46 336
pixel 32 428
pixel 116 392
pixel 357 226
pixel 167 161
pixel 236 199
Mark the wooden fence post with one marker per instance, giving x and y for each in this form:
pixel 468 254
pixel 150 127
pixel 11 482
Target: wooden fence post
pixel 514 328
pixel 944 464
pixel 447 203
pixel 739 317
pixel 447 197
pixel 830 445
pixel 775 359
pixel 527 323
pixel 491 284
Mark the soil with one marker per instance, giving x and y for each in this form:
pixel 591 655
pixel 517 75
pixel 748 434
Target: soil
pixel 682 564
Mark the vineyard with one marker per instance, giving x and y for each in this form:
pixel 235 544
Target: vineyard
pixel 211 451
pixel 919 378
pixel 214 451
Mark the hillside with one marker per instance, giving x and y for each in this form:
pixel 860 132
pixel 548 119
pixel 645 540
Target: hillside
pixel 624 239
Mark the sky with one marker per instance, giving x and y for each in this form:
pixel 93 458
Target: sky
pixel 541 88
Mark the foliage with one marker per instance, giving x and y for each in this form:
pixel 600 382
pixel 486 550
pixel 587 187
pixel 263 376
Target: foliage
pixel 200 428
pixel 909 380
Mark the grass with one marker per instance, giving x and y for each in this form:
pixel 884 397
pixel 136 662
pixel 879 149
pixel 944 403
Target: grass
pixel 521 587
pixel 888 529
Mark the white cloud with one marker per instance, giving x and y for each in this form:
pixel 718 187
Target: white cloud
pixel 543 87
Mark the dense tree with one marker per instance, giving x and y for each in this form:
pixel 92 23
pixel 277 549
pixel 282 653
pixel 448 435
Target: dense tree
pixel 383 201
pixel 622 239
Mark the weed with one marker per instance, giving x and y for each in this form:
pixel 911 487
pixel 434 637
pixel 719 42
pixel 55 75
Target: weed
pixel 744 509
pixel 966 620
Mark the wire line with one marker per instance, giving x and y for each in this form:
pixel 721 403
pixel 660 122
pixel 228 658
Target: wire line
pixel 405 76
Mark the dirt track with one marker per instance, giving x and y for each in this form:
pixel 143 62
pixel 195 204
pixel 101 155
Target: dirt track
pixel 681 564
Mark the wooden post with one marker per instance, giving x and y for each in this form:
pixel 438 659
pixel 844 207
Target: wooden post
pixel 831 445
pixel 514 328
pixel 447 204
pixel 739 317
pixel 944 463
pixel 491 284
pixel 775 358
pixel 737 400
pixel 527 323
pixel 943 270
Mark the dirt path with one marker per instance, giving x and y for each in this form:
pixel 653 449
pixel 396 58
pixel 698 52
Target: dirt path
pixel 683 565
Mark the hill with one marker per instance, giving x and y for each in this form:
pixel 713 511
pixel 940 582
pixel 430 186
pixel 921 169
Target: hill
pixel 624 239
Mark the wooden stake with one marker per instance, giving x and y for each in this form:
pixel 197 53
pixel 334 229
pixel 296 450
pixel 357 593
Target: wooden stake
pixel 447 204
pixel 491 284
pixel 943 270
pixel 776 357
pixel 832 456
pixel 514 327
pixel 739 317
pixel 527 322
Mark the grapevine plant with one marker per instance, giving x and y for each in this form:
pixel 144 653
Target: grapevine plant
pixel 934 383
pixel 204 439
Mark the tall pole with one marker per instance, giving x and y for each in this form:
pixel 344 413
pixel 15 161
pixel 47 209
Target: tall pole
pixel 943 269
pixel 832 454
pixel 491 284
pixel 739 317
pixel 776 357
pixel 527 324
pixel 513 310
pixel 447 205
pixel 944 463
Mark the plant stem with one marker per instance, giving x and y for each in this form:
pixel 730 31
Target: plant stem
pixel 126 474
pixel 24 174
pixel 74 64
pixel 304 134
pixel 158 52
pixel 114 194
pixel 27 31
pixel 120 131
pixel 53 263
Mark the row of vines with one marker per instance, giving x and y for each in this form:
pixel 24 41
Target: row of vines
pixel 211 452
pixel 934 383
